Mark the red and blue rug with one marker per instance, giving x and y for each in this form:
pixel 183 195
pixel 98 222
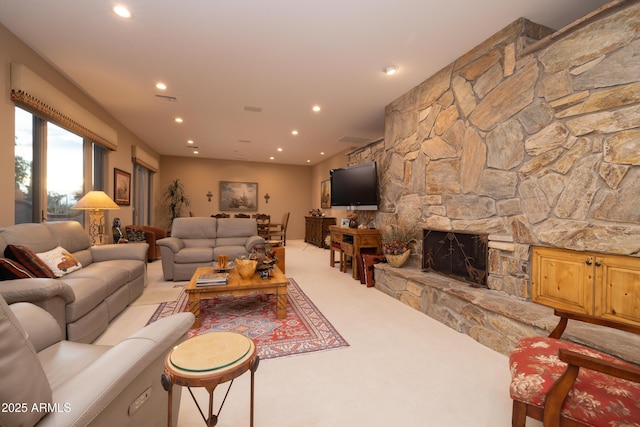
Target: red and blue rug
pixel 304 330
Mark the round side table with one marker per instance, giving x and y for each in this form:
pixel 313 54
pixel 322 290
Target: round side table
pixel 206 361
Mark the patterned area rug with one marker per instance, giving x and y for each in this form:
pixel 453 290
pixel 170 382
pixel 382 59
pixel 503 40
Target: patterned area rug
pixel 304 330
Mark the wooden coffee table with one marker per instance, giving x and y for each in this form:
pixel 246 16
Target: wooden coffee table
pixel 236 285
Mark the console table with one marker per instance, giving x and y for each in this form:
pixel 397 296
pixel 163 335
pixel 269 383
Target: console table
pixel 316 229
pixel 353 240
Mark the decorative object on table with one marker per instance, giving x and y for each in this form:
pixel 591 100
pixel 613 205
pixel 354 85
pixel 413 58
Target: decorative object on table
pixel 116 231
pixel 397 240
pixel 316 212
pixel 353 219
pixel 223 261
pixel 246 267
pixel 176 198
pixel 122 187
pixel 238 196
pixel 265 257
pixel 325 194
pixel 96 202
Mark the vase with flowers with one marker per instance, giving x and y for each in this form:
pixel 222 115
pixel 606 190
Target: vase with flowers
pixel 397 241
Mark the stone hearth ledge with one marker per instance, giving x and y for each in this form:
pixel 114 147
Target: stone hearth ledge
pixel 493 318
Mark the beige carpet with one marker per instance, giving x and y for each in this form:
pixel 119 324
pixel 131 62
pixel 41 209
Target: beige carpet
pixel 157 296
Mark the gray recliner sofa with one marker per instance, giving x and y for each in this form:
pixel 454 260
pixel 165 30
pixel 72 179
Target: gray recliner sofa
pixel 197 242
pixel 84 301
pixel 47 381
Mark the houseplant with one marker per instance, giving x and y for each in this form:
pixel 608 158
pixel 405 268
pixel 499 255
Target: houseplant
pixel 397 240
pixel 176 198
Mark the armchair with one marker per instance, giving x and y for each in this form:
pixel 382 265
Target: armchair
pixel 151 235
pixel 53 382
pixel 565 384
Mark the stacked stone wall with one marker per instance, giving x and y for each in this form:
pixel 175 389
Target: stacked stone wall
pixel 542 149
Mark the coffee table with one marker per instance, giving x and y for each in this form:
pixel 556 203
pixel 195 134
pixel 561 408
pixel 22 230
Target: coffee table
pixel 236 285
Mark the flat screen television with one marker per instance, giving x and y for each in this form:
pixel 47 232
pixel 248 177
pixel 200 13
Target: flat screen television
pixel 355 187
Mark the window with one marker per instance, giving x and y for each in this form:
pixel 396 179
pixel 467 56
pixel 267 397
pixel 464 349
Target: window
pixel 142 190
pixel 53 169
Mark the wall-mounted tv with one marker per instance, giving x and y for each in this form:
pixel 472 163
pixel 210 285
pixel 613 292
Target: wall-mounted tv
pixel 355 187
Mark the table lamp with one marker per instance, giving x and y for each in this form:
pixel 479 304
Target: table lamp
pixel 96 202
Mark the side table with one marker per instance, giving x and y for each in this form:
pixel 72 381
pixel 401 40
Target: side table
pixel 206 361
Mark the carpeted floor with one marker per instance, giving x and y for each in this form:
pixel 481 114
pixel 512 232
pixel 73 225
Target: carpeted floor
pixel 304 330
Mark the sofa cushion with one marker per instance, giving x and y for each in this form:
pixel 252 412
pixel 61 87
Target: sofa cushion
pixel 65 359
pixel 89 292
pixel 109 274
pixel 233 251
pixel 60 261
pixel 194 228
pixel 10 270
pixel 27 258
pixel 237 227
pixel 194 254
pixel 24 382
pixel 36 237
pixel 68 234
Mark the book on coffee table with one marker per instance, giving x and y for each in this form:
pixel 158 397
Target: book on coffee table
pixel 212 279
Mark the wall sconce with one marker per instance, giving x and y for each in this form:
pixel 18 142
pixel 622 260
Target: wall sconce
pixel 209 195
pixel 266 198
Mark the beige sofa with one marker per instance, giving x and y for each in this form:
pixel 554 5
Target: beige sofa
pixel 197 242
pixel 47 381
pixel 85 301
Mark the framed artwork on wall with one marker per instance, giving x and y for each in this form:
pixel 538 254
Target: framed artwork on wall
pixel 121 187
pixel 239 196
pixel 325 194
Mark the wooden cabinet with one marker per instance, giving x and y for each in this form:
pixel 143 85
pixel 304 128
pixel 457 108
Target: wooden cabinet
pixel 603 285
pixel 316 229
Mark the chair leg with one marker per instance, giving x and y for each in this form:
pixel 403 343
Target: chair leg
pixel 519 414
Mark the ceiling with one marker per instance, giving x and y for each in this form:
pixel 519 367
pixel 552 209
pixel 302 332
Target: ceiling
pixel 223 60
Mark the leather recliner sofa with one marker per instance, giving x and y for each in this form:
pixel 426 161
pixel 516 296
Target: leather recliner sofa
pixel 47 381
pixel 197 242
pixel 86 300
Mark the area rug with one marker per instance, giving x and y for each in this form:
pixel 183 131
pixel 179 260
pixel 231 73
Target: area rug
pixel 304 330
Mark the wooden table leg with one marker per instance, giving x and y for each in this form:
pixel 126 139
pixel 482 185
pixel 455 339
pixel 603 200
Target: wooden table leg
pixel 281 303
pixel 194 307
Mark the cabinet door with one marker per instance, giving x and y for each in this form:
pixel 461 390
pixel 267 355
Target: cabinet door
pixel 618 288
pixel 563 279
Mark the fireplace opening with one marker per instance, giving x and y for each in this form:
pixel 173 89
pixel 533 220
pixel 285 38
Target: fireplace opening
pixel 459 255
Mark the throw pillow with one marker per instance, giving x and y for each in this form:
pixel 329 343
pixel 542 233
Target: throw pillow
pixel 10 270
pixel 60 261
pixel 29 260
pixel 135 235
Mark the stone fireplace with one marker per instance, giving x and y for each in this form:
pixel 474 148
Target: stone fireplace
pixel 459 255
pixel 529 139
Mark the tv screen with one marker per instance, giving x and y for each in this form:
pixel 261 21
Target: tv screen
pixel 355 187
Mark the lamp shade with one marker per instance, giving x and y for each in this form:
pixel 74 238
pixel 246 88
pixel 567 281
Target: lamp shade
pixel 95 200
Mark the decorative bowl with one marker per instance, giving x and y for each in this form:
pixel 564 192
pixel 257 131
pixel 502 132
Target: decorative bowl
pixel 246 267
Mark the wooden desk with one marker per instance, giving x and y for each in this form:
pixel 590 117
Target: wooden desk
pixel 353 240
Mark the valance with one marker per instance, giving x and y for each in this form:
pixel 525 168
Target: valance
pixel 142 158
pixel 38 96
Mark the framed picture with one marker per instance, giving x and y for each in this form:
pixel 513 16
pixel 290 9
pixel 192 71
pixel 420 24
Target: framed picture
pixel 121 187
pixel 345 222
pixel 325 194
pixel 239 196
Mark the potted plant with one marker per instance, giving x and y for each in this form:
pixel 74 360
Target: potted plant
pixel 397 240
pixel 176 199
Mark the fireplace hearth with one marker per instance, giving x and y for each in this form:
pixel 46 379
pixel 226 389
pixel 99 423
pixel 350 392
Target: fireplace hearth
pixel 459 255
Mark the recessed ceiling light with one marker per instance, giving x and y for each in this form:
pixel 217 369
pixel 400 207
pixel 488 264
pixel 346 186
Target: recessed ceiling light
pixel 322 153
pixel 195 152
pixel 308 161
pixel 316 108
pixel 190 141
pixel 161 86
pixel 294 132
pixel 272 158
pixel 122 11
pixel 280 149
pixel 389 71
pixel 179 120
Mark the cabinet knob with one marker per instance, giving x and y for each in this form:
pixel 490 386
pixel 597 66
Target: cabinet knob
pixel 598 263
pixel 589 261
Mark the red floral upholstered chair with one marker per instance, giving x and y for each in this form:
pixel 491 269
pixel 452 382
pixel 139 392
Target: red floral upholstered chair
pixel 565 384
